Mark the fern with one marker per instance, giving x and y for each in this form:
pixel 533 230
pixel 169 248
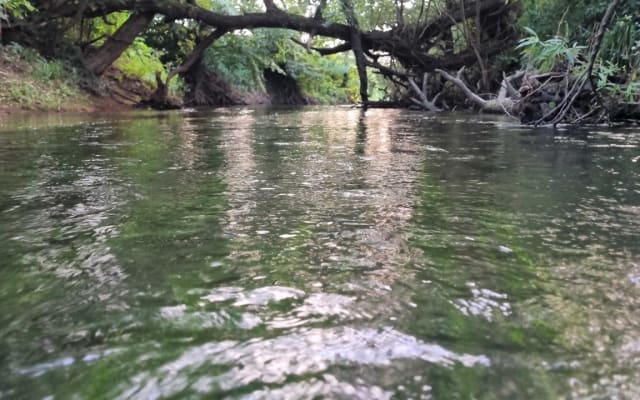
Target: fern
pixel 546 55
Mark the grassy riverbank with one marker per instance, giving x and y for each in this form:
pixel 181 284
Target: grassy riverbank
pixel 31 83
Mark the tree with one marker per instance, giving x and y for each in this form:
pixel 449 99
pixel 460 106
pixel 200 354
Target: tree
pixel 115 45
pixel 388 35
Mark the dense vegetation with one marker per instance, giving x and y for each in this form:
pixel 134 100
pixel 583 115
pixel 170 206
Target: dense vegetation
pixel 31 80
pixel 544 57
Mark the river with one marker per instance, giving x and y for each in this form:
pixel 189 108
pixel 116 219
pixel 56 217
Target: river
pixel 272 253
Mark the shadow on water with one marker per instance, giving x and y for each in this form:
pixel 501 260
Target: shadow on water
pixel 317 252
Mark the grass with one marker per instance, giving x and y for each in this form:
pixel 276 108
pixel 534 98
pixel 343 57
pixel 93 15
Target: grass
pixel 30 81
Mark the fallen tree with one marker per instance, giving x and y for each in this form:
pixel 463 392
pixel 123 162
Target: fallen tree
pixel 568 95
pixel 415 54
pixel 504 102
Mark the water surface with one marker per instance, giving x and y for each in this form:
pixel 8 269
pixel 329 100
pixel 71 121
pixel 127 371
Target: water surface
pixel 319 252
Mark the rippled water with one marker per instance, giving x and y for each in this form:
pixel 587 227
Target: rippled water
pixel 318 252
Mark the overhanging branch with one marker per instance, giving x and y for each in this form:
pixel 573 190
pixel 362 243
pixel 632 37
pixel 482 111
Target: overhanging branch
pixel 325 51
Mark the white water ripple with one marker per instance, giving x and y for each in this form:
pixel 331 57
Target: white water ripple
pixel 273 361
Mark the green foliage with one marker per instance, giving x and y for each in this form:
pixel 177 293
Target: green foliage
pixel 106 26
pixel 572 19
pixel 617 68
pixel 242 58
pixel 15 8
pixel 615 71
pixel 31 81
pixel 239 59
pixel 140 60
pixel 172 40
pixel 631 92
pixel 628 91
pixel 546 55
pixel 603 72
pixel 45 70
pixel 621 45
pixel 332 79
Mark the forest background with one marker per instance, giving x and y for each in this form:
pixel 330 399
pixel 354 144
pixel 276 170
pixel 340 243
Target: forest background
pixel 432 54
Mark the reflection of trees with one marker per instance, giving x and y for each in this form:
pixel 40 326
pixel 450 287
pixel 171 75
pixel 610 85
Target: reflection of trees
pixel 308 204
pixel 240 173
pixel 170 224
pixel 369 213
pixel 108 217
pixel 59 228
pixel 104 224
pixel 317 202
pixel 550 203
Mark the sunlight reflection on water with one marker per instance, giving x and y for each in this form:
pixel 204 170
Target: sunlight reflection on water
pixel 304 352
pixel 330 252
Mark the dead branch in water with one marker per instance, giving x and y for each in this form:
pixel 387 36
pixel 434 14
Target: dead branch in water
pixel 423 96
pixel 503 103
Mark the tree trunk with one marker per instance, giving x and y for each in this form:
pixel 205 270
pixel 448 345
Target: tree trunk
pixel 356 43
pixel 355 37
pixel 160 98
pixel 206 89
pixel 118 43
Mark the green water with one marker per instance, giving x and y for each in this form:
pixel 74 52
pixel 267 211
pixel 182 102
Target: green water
pixel 317 253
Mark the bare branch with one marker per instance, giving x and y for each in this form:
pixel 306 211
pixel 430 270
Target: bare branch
pixel 501 105
pixel 457 80
pixel 325 51
pixel 424 101
pixel 511 91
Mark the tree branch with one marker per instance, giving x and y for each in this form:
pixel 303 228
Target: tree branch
pixel 502 104
pixel 457 80
pixel 118 43
pixel 424 101
pixel 318 15
pixel 386 41
pixel 197 53
pixel 325 51
pixel 270 6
